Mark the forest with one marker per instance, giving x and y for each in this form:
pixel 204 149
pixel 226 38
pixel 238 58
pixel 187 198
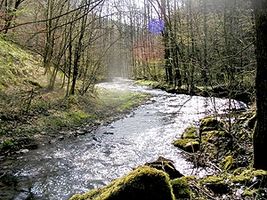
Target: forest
pixel 133 99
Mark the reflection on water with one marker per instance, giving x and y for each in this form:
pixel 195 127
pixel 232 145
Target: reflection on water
pixel 59 170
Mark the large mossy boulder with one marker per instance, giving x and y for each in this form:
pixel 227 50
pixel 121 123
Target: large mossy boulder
pixel 188 145
pixel 144 183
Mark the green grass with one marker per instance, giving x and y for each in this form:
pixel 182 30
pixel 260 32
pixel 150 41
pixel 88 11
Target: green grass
pixel 16 65
pixel 119 101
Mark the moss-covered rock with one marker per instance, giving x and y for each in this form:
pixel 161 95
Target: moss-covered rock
pixel 188 145
pixel 190 133
pixel 249 192
pixel 165 165
pixel 209 124
pixel 249 176
pixel 181 189
pixel 212 136
pixel 216 184
pixel 10 145
pixel 144 183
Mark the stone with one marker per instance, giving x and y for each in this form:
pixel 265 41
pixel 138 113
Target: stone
pixel 23 196
pixel 216 184
pixel 181 189
pixel 190 133
pixel 167 166
pixel 188 145
pixel 23 151
pixel 141 184
pixel 210 124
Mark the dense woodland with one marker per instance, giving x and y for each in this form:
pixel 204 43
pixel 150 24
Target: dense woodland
pixel 197 47
pixel 202 43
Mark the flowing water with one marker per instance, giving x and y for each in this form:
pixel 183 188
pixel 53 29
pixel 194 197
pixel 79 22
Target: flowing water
pixel 59 170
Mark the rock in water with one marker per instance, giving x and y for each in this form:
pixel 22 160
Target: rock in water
pixel 167 166
pixel 144 183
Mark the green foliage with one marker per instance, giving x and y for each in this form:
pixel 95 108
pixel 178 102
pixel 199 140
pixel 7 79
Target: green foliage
pixel 119 101
pixel 63 119
pixel 7 144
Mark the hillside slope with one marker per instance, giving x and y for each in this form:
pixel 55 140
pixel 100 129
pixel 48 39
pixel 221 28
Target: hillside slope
pixel 18 67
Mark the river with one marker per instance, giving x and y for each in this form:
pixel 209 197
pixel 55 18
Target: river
pixel 57 171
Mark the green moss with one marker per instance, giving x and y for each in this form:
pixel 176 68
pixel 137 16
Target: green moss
pixel 240 179
pixel 216 183
pixel 7 144
pixel 227 162
pixel 15 63
pixel 147 83
pixel 189 145
pixel 210 123
pixel 59 119
pixel 189 178
pixel 212 179
pixel 249 192
pixel 213 133
pixel 142 184
pixel 190 133
pixel 246 176
pixel 120 101
pixel 181 188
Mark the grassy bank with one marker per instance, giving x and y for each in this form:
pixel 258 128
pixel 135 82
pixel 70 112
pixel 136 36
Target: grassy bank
pixel 227 148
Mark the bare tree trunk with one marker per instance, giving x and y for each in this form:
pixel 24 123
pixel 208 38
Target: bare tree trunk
pixel 260 133
pixel 10 12
pixel 77 53
pixel 205 63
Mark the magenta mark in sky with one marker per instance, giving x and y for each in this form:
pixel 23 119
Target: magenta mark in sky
pixel 156 26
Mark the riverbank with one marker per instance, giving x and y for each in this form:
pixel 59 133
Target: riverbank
pixel 244 93
pixel 52 117
pixel 210 144
pixel 32 115
pixel 225 144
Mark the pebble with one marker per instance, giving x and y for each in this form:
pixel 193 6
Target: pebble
pixel 23 151
pixel 108 133
pixel 61 138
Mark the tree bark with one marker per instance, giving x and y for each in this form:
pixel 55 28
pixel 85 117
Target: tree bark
pixel 260 133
